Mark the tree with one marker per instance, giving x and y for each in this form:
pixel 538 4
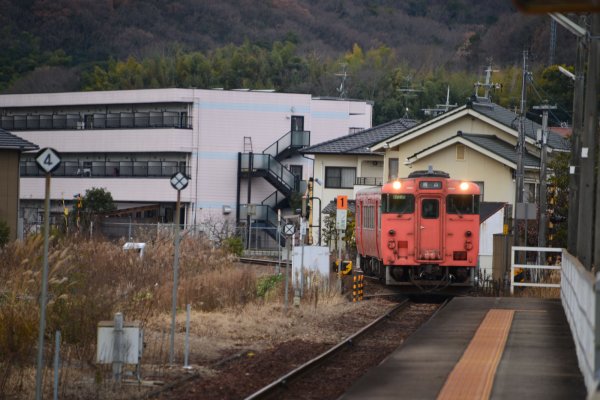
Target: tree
pixel 558 199
pixel 96 201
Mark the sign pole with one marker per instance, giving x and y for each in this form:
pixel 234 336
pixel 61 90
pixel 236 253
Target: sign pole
pixel 48 160
pixel 40 355
pixel 175 280
pixel 340 222
pixel 179 181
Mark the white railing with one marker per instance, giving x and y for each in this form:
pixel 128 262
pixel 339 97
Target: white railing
pixel 580 297
pixel 537 267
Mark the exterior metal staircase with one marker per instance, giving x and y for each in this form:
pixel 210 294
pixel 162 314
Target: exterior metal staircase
pixel 267 165
pixel 288 144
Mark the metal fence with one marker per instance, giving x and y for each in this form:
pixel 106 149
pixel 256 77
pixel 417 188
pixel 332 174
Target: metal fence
pixel 258 239
pixel 537 269
pixel 113 169
pixel 116 120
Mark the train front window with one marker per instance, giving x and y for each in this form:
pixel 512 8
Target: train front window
pixel 398 203
pixel 462 204
pixel 430 208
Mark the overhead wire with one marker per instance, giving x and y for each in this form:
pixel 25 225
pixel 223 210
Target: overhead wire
pixel 546 97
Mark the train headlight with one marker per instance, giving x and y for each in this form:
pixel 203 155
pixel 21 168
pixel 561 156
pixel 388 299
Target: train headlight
pixel 464 186
pixel 396 185
pixel 468 233
pixel 392 232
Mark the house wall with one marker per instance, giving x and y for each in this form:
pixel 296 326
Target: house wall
pixel 487 229
pixel 370 168
pixel 497 177
pixel 9 189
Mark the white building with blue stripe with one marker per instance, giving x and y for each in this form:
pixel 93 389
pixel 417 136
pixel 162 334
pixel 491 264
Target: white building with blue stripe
pixel 238 147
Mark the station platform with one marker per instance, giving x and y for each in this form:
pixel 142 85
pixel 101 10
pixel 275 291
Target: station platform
pixel 482 348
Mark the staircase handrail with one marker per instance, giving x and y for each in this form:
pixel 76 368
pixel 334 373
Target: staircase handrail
pixel 262 213
pixel 291 139
pixel 272 167
pixel 273 199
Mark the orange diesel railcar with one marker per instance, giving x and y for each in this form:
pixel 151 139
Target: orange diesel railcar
pixel 422 230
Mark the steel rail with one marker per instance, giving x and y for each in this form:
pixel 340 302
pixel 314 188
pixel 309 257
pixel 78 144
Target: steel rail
pixel 247 260
pixel 266 390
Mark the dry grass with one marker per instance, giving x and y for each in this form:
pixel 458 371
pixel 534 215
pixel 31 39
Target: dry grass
pixel 549 277
pixel 234 307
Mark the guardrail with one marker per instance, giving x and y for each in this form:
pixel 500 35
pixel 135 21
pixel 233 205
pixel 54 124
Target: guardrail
pixel 538 267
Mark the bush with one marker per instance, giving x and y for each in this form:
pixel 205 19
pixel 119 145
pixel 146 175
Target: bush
pixel 266 284
pixel 234 245
pixel 4 233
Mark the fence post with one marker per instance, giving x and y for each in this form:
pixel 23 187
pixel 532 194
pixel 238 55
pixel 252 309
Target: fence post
pixel 117 347
pixel 56 364
pixel 512 270
pixel 186 365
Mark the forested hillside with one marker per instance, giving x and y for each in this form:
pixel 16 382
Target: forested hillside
pixel 287 45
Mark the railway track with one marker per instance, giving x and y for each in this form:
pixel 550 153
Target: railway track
pixel 326 375
pixel 260 261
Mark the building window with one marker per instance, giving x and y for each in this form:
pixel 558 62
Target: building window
pixel 529 192
pixel 297 123
pixel 352 130
pixel 296 170
pixel 460 152
pixel 340 177
pixel 393 169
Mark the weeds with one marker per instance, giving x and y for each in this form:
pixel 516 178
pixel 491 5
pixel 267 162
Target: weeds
pixel 88 281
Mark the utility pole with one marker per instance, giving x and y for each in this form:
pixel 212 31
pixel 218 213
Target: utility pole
pixel 574 166
pixel 585 221
pixel 543 220
pixel 520 149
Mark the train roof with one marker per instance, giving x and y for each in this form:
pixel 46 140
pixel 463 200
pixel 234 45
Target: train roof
pixel 429 173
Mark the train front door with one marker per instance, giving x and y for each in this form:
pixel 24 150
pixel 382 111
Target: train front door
pixel 429 230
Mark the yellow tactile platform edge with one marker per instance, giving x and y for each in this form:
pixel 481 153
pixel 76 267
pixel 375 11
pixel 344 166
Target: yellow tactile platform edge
pixel 473 375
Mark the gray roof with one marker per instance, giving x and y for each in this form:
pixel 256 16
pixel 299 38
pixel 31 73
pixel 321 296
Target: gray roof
pixel 502 149
pixel 489 208
pixel 493 144
pixel 359 143
pixel 9 141
pixel 511 119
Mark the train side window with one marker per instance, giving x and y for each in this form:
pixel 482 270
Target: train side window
pixel 430 208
